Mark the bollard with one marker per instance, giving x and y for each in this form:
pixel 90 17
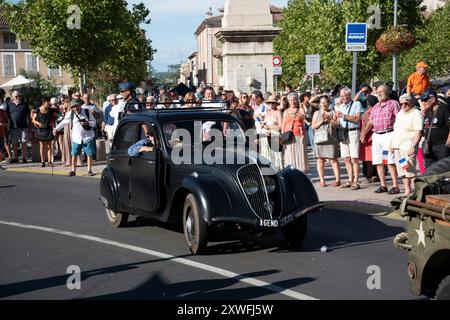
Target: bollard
pixel 35 154
pixel 101 150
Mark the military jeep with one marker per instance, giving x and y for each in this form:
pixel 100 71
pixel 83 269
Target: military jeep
pixel 427 238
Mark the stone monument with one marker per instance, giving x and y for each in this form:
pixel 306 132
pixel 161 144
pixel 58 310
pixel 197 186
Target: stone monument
pixel 247 34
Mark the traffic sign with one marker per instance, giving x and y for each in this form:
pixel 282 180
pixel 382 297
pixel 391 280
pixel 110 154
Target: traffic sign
pixel 312 63
pixel 356 37
pixel 277 71
pixel 277 62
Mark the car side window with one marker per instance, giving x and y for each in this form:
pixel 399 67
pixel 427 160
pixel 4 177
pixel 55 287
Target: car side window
pixel 146 129
pixel 125 138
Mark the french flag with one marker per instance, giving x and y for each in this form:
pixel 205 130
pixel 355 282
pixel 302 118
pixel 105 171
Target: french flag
pixel 403 164
pixel 385 157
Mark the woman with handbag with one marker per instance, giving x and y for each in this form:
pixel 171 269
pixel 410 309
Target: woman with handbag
pixel 293 135
pixel 272 126
pixel 324 123
pixel 43 118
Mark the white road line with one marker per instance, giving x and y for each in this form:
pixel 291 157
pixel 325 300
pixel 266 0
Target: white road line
pixel 222 272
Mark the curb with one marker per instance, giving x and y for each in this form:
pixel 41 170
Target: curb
pixel 368 208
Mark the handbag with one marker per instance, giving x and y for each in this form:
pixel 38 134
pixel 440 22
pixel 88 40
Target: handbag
pixel 287 137
pixel 342 133
pixel 322 136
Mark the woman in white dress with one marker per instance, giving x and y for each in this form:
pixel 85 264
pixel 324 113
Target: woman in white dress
pixel 272 127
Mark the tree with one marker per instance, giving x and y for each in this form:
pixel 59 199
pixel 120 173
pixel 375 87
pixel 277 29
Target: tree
pixel 107 38
pixel 433 46
pixel 318 27
pixel 41 88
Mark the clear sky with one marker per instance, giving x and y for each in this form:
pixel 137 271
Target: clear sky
pixel 173 25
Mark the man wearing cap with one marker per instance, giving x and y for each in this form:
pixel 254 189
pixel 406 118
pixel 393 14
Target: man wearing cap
pixel 83 136
pixel 127 90
pixel 419 81
pixel 437 127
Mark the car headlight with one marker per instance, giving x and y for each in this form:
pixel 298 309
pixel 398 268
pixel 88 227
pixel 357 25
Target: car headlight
pixel 250 187
pixel 270 184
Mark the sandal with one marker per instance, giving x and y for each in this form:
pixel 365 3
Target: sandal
pixel 346 185
pixel 322 184
pixel 381 190
pixel 336 184
pixel 394 190
pixel 71 174
pixel 356 186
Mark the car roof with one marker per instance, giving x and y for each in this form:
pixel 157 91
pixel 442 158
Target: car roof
pixel 173 115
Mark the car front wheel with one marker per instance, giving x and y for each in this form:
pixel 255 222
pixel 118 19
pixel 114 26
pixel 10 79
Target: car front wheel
pixel 115 219
pixel 295 232
pixel 443 291
pixel 195 229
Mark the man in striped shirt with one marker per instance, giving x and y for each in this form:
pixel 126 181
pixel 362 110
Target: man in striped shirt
pixel 381 122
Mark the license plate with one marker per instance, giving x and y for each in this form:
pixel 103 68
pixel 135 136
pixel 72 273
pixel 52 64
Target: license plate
pixel 287 219
pixel 269 223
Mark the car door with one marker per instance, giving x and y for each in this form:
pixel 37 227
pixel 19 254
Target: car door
pixel 120 161
pixel 145 175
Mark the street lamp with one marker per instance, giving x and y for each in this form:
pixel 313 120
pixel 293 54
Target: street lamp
pixel 394 57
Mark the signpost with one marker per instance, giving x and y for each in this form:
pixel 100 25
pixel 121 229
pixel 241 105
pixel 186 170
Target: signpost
pixel 277 69
pixel 312 66
pixel 355 40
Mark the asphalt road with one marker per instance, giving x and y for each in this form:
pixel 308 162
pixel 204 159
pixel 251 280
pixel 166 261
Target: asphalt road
pixel 150 261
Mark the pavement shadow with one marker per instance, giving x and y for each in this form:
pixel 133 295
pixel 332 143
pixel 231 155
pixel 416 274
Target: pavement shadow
pixel 16 288
pixel 157 288
pixel 337 229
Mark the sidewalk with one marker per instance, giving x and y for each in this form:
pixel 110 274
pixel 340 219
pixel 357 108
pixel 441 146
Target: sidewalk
pixel 364 200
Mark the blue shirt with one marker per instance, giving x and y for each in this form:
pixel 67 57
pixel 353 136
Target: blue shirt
pixel 351 110
pixel 133 151
pixel 107 115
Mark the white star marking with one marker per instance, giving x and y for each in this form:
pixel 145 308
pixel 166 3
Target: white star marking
pixel 421 235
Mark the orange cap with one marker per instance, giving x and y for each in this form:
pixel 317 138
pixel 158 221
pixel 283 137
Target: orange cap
pixel 422 64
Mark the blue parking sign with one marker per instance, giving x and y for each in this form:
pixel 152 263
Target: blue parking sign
pixel 356 37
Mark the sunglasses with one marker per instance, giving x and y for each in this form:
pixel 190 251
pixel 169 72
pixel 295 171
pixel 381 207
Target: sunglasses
pixel 404 104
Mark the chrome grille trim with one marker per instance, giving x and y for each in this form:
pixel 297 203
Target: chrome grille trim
pixel 258 200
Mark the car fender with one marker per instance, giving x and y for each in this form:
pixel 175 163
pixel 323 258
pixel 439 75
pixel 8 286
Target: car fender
pixel 212 199
pixel 298 191
pixel 109 189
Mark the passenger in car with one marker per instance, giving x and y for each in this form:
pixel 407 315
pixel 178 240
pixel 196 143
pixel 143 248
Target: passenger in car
pixel 145 145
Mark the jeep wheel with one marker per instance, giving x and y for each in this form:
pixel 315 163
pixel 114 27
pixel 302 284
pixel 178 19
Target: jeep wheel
pixel 194 228
pixel 443 290
pixel 295 232
pixel 115 219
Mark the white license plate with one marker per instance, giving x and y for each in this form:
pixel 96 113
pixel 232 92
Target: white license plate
pixel 269 223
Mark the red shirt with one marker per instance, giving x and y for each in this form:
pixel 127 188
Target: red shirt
pixel 383 115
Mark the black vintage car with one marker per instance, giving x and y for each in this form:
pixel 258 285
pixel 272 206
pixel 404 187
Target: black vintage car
pixel 207 196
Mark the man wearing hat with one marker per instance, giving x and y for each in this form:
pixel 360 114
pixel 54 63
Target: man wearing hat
pixel 127 90
pixel 419 81
pixel 437 128
pixel 82 122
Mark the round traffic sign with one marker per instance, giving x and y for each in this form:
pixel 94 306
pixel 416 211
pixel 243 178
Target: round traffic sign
pixel 277 62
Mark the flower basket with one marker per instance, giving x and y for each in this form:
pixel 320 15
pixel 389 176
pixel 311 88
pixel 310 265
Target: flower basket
pixel 395 40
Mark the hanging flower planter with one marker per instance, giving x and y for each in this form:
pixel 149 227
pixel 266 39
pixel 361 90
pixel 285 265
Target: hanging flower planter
pixel 395 40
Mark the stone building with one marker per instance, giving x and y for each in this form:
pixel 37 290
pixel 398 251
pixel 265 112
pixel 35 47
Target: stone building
pixel 206 65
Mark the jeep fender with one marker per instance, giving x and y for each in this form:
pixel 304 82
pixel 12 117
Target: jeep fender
pixel 212 199
pixel 298 191
pixel 109 190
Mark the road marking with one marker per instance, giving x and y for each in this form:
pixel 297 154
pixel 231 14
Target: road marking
pixel 56 172
pixel 222 272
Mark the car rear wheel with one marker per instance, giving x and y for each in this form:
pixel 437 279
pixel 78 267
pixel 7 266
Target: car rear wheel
pixel 295 232
pixel 443 290
pixel 195 229
pixel 115 219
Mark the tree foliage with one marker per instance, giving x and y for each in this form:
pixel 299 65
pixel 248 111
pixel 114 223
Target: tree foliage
pixel 41 88
pixel 318 27
pixel 109 38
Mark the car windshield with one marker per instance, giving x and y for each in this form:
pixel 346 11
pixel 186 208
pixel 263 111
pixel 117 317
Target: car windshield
pixel 203 132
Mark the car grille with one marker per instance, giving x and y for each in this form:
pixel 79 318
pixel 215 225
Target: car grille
pixel 258 201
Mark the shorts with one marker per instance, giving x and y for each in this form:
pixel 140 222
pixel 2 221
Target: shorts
pixel 88 147
pixel 351 149
pixel 18 135
pixel 381 143
pixel 405 169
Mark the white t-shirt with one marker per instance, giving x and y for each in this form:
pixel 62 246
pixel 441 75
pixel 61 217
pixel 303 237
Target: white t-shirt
pixel 405 128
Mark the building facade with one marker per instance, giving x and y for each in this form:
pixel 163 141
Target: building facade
pixel 17 55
